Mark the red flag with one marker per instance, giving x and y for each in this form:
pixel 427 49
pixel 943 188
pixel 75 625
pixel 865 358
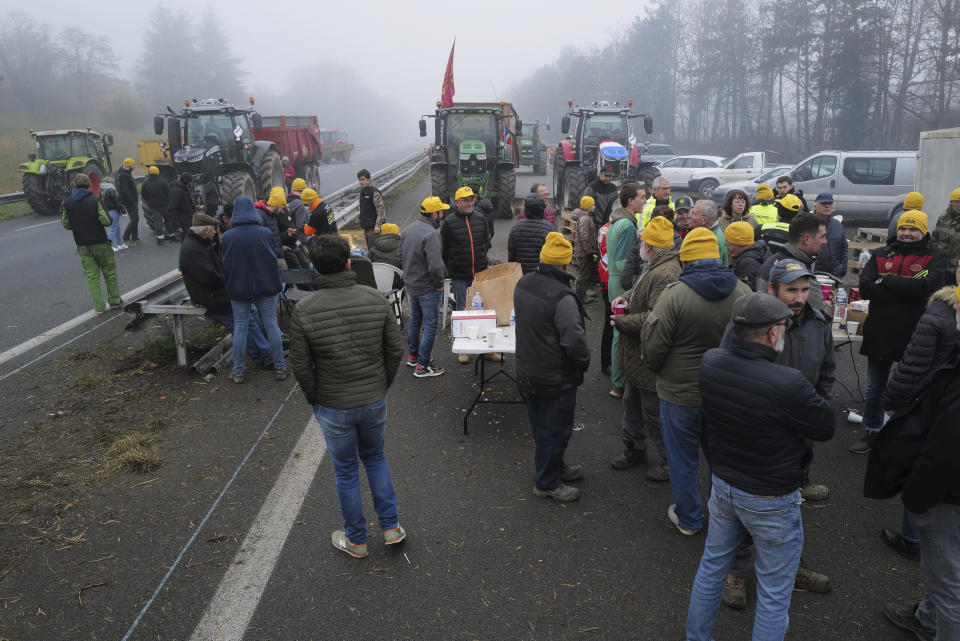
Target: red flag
pixel 447 91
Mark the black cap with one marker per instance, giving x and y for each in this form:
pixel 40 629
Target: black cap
pixel 759 310
pixel 788 270
pixel 682 203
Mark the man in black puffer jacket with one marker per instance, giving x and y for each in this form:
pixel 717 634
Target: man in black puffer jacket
pixel 156 197
pixel 131 201
pixel 465 239
pixel 181 207
pixel 527 235
pixel 756 450
pixel 552 354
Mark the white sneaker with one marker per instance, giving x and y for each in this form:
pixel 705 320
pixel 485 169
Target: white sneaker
pixel 123 246
pixel 114 248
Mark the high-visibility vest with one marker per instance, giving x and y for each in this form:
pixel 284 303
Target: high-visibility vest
pixel 647 212
pixel 764 213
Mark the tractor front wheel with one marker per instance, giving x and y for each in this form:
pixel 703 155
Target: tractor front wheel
pixel 506 190
pixel 271 173
pixel 574 184
pixel 237 184
pixel 37 197
pixel 438 181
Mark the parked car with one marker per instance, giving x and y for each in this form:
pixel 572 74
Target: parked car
pixel 745 166
pixel 750 186
pixel 678 169
pixel 658 152
pixel 866 185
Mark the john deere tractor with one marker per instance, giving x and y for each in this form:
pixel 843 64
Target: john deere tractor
pixel 533 150
pixel 603 139
pixel 475 144
pixel 61 155
pixel 212 140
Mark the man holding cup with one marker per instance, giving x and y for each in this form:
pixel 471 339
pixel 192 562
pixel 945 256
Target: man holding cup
pixel 552 355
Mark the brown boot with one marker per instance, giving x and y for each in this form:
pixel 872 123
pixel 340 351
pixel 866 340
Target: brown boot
pixel 735 593
pixel 463 358
pixel 811 581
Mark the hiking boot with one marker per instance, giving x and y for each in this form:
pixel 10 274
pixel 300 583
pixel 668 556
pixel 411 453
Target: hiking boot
pixel 735 593
pixel 562 493
pixel 659 473
pixel 815 492
pixel 238 376
pixel 341 542
pixel 463 358
pixel 811 581
pixel 394 536
pixel 864 445
pixel 904 616
pixel 493 357
pixel 628 458
pixel 412 360
pixel 571 473
pixel 429 370
pixel 672 515
pixel 281 373
pixel 616 392
pixel 894 540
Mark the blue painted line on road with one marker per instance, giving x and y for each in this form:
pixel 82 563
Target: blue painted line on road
pixel 58 347
pixel 213 507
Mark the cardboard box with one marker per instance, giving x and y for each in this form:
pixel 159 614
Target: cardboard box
pixel 484 319
pixel 858 317
pixel 495 286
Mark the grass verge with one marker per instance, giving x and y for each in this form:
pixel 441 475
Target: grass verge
pixel 15 210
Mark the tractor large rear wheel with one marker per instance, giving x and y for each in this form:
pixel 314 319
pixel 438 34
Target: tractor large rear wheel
pixel 506 190
pixel 574 184
pixel 37 197
pixel 647 174
pixel 271 173
pixel 558 193
pixel 438 181
pixel 313 177
pixel 94 173
pixel 237 184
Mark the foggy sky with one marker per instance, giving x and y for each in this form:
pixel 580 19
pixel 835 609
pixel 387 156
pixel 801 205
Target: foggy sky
pixel 397 49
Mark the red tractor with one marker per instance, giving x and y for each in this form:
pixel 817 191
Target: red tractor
pixel 603 138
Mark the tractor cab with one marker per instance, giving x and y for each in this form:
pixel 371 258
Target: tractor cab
pixel 61 155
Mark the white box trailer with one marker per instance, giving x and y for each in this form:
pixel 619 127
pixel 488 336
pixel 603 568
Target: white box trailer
pixel 937 170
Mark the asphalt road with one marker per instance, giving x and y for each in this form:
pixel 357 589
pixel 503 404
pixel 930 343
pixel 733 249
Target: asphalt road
pixel 484 559
pixel 44 286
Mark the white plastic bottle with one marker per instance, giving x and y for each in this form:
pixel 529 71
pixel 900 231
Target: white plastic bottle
pixel 841 310
pixel 477 302
pixel 513 317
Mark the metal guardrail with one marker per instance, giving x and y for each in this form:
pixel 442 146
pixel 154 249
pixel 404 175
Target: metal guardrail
pixel 15 197
pixel 345 201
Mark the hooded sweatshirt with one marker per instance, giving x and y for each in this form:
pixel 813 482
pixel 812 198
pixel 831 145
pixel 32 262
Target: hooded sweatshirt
pixel 83 215
pixel 249 261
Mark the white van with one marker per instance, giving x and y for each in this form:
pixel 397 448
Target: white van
pixel 866 185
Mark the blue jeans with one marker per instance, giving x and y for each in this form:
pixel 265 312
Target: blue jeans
pixel 939 530
pixel 267 308
pixel 682 436
pixel 258 348
pixel 551 422
pixel 423 309
pixel 878 371
pixel 114 235
pixel 357 434
pixel 776 526
pixel 907 529
pixel 459 289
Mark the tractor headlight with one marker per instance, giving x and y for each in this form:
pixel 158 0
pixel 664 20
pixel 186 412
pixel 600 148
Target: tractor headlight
pixel 481 156
pixel 42 169
pixel 464 156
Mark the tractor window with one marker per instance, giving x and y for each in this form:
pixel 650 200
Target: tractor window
pixel 599 127
pixel 214 128
pixel 66 146
pixel 461 127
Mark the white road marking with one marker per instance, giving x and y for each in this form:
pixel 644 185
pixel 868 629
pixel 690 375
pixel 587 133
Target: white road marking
pixel 37 225
pixel 36 341
pixel 229 612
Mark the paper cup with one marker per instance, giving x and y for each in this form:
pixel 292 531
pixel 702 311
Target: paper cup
pixel 472 331
pixel 852 327
pixel 619 309
pixel 493 336
pixel 853 417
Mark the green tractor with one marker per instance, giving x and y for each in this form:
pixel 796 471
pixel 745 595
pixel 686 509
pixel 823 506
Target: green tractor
pixel 475 144
pixel 533 149
pixel 61 155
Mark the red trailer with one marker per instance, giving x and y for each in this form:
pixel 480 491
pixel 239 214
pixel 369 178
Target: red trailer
pixel 298 138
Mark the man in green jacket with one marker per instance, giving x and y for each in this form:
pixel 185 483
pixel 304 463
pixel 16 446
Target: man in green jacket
pixel 83 215
pixel 688 319
pixel 345 349
pixel 620 239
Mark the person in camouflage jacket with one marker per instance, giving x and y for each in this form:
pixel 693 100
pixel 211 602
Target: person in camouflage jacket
pixel 946 235
pixel 585 249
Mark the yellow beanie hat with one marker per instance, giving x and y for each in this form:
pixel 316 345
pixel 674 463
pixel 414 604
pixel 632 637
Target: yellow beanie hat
pixel 556 250
pixel 658 232
pixel 914 200
pixel 308 196
pixel 739 233
pixel 913 218
pixel 299 184
pixel 587 202
pixel 129 162
pixel 700 243
pixel 389 228
pixel 955 194
pixel 764 192
pixel 154 170
pixel 277 197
